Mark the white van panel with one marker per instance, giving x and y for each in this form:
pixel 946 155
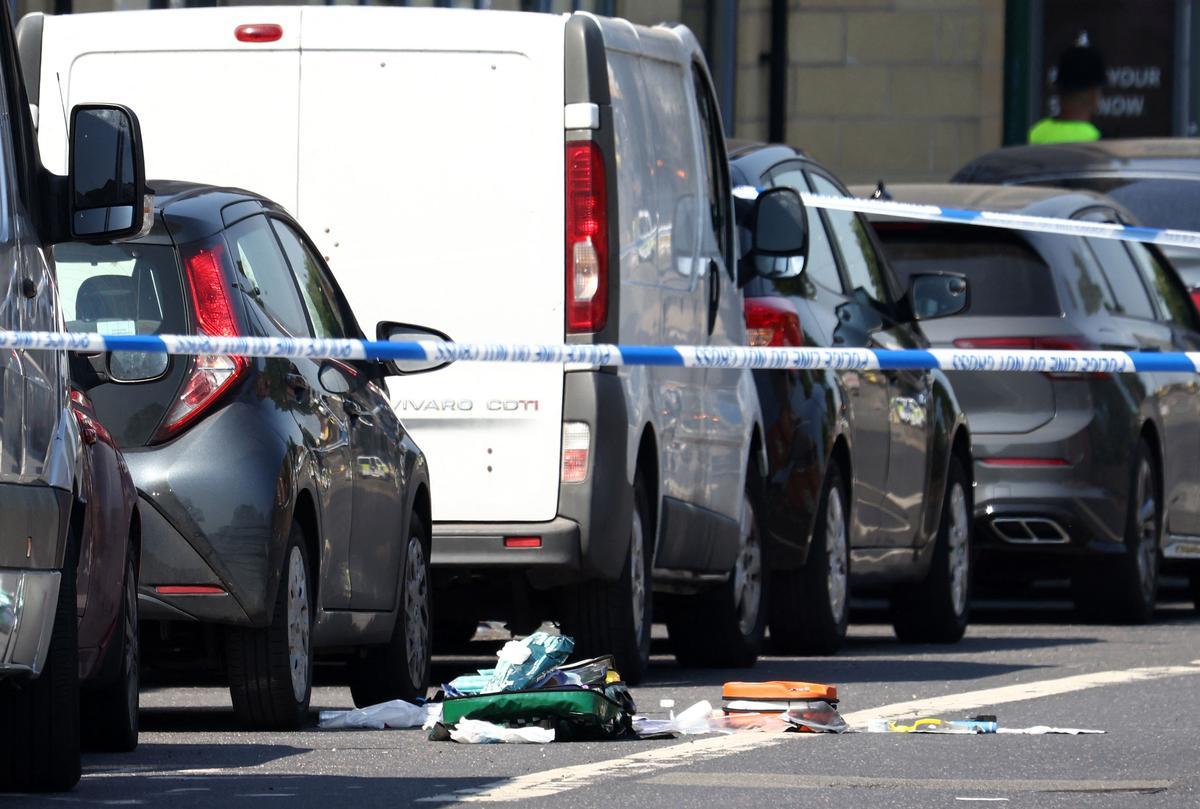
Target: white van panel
pixel 456 223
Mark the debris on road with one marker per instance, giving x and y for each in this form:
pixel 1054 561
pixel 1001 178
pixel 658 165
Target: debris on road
pixel 810 707
pixel 476 731
pixel 391 715
pixel 972 726
pixel 1042 730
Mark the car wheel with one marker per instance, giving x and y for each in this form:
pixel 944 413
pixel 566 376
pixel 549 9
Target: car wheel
pixel 110 712
pixel 615 617
pixel 401 668
pixel 270 668
pixel 39 719
pixel 724 628
pixel 1125 590
pixel 810 607
pixel 937 609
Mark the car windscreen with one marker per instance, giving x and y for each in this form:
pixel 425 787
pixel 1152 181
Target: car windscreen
pixel 1006 276
pixel 1156 202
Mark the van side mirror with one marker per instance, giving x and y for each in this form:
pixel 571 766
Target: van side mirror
pixel 934 296
pixel 404 333
pixel 107 173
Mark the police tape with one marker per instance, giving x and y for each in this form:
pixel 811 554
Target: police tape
pixel 995 219
pixel 730 357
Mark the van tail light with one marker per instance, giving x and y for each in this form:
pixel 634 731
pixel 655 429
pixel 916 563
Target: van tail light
pixel 576 445
pixel 210 375
pixel 1035 343
pixel 586 238
pixel 258 32
pixel 772 321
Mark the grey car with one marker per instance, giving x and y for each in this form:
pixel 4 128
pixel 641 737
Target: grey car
pixel 1094 475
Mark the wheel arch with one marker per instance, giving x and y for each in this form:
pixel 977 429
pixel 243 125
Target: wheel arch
pixel 646 462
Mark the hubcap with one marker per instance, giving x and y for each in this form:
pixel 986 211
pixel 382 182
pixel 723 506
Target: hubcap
pixel 298 623
pixel 747 572
pixel 960 557
pixel 836 552
pixel 1147 528
pixel 637 572
pixel 416 612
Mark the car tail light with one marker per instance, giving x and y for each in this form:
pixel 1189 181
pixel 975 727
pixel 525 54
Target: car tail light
pixel 772 321
pixel 1035 343
pixel 522 542
pixel 1195 293
pixel 1024 462
pixel 258 32
pixel 586 238
pixel 211 374
pixel 90 429
pixel 576 445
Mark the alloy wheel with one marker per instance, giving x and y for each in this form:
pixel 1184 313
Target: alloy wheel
pixel 1147 531
pixel 960 557
pixel 298 624
pixel 748 572
pixel 836 552
pixel 416 611
pixel 637 572
pixel 131 645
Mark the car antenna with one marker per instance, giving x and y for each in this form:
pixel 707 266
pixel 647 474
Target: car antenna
pixel 62 104
pixel 881 192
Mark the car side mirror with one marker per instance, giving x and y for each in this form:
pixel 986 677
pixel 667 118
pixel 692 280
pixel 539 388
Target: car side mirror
pixel 934 296
pixel 136 366
pixel 404 333
pixel 779 224
pixel 106 176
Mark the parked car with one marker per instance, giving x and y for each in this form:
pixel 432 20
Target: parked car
pixel 43 461
pixel 106 585
pixel 1156 179
pixel 281 500
pixel 1093 475
pixel 567 492
pixel 869 480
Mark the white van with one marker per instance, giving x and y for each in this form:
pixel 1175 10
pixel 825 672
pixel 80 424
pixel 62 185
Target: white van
pixel 501 177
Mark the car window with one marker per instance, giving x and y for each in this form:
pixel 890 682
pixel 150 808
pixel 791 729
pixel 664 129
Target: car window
pixel 1129 296
pixel 716 169
pixel 319 298
pixel 1007 277
pixel 820 265
pixel 1173 303
pixel 120 289
pixel 1155 201
pixel 863 267
pixel 271 286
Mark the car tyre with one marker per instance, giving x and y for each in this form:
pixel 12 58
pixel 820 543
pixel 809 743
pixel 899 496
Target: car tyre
pixel 39 719
pixel 724 628
pixel 937 609
pixel 270 668
pixel 110 711
pixel 401 668
pixel 615 617
pixel 810 607
pixel 1125 590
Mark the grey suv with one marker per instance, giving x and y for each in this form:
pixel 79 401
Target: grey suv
pixel 1093 475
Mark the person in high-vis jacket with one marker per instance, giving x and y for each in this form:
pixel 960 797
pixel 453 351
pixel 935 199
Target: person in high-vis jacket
pixel 1079 80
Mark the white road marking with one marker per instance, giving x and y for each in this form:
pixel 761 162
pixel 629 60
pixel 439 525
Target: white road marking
pixel 759 780
pixel 564 779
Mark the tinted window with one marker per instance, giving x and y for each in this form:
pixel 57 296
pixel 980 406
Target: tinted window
pixel 715 169
pixel 1129 295
pixel 258 258
pixel 1164 284
pixel 120 289
pixel 1155 202
pixel 820 265
pixel 319 297
pixel 1006 276
pixel 863 267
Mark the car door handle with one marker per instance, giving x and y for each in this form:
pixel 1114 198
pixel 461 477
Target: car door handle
pixel 714 294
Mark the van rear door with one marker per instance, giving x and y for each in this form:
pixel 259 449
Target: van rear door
pixel 214 108
pixel 431 177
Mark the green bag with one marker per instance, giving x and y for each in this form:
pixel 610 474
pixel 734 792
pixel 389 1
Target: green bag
pixel 574 713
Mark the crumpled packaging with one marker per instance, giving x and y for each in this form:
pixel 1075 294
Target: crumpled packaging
pixel 525 663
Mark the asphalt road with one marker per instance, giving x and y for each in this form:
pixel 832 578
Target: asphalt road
pixel 1028 664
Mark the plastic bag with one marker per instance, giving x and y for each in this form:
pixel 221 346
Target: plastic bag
pixel 385 715
pixel 696 720
pixel 818 716
pixel 476 731
pixel 525 663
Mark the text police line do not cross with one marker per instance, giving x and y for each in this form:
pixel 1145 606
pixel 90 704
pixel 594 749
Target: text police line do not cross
pixel 844 359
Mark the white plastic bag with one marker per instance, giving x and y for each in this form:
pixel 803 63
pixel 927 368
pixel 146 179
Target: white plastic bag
pixel 476 731
pixel 385 715
pixel 696 720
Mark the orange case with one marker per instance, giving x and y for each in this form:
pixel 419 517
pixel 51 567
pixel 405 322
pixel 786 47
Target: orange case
pixel 779 690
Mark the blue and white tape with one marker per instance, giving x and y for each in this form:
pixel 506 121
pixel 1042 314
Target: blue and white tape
pixel 995 219
pixel 948 359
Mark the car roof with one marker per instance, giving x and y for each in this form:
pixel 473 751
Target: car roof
pixel 1149 156
pixel 1030 200
pixel 193 210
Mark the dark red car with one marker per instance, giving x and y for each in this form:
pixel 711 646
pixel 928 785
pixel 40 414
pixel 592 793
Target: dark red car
pixel 106 595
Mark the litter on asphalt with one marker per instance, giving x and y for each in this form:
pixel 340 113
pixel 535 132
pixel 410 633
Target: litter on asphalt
pixel 476 731
pixel 391 715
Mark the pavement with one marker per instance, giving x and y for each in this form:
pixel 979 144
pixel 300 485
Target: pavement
pixel 1027 663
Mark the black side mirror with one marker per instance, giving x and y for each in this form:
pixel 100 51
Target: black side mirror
pixel 136 366
pixel 779 224
pixel 934 296
pixel 406 332
pixel 107 173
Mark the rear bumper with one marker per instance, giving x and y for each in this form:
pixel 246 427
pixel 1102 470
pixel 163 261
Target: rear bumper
pixel 589 536
pixel 28 599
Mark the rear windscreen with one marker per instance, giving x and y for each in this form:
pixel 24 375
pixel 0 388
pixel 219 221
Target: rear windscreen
pixel 1156 202
pixel 1005 276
